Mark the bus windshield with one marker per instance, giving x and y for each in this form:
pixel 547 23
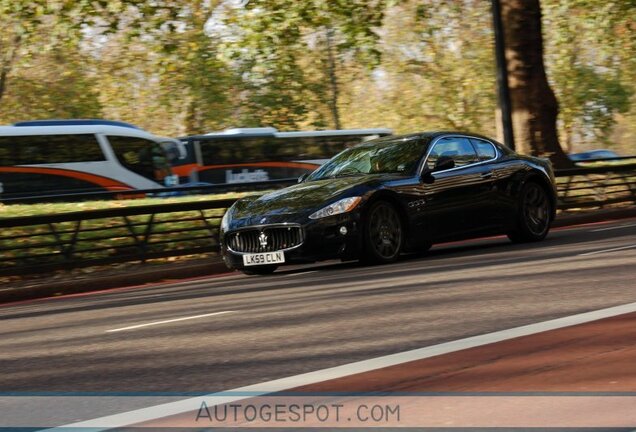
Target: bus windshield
pixel 144 157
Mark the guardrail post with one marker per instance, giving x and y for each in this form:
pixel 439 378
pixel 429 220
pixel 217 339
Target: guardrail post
pixel 599 189
pixel 147 234
pixel 567 187
pixel 70 249
pixel 131 230
pixel 631 185
pixel 206 223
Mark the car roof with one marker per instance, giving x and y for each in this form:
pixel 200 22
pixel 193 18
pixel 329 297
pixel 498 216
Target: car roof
pixel 80 130
pixel 273 132
pixel 75 122
pixel 435 134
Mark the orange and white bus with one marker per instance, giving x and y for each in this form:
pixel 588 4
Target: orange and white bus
pixel 258 154
pixel 53 157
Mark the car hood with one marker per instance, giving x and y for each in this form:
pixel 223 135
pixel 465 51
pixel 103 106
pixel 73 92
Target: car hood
pixel 298 200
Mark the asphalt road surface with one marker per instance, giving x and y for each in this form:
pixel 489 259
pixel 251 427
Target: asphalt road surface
pixel 224 332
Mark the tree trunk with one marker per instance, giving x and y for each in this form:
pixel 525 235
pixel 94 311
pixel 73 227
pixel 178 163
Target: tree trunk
pixel 8 59
pixel 534 105
pixel 333 81
pixel 191 121
pixel 4 71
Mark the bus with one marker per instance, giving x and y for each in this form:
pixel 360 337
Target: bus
pixel 55 157
pixel 246 155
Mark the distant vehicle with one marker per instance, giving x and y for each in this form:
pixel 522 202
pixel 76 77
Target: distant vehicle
pixel 259 154
pixel 593 154
pixel 393 194
pixel 51 157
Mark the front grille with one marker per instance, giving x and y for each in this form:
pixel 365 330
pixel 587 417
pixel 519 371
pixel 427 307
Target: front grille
pixel 266 239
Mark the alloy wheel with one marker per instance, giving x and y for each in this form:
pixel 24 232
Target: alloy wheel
pixel 385 231
pixel 536 209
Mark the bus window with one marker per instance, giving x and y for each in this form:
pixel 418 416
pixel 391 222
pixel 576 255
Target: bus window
pixel 235 151
pixel 7 150
pixel 318 147
pixel 144 157
pixel 256 148
pixel 49 149
pixel 174 150
pixel 221 153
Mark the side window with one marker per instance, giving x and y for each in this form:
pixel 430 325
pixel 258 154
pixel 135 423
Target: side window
pixel 222 151
pixel 49 149
pixel 144 157
pixel 457 148
pixel 485 150
pixel 283 149
pixel 8 151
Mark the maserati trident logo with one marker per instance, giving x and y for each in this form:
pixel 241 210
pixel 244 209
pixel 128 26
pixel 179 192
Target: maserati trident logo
pixel 263 240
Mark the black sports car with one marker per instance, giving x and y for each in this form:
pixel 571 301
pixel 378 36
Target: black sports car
pixel 393 195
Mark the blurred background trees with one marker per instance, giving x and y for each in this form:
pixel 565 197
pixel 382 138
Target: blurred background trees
pixel 192 66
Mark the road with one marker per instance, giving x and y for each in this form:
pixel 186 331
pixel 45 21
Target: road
pixel 225 332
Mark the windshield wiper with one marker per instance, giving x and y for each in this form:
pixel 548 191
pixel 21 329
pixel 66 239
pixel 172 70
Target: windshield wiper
pixel 348 174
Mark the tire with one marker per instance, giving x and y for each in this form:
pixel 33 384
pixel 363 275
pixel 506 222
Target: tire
pixel 533 214
pixel 260 270
pixel 383 234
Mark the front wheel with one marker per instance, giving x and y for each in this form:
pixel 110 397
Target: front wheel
pixel 383 234
pixel 535 209
pixel 260 270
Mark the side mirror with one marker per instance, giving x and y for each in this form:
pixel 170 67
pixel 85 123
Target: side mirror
pixel 303 177
pixel 444 163
pixel 427 175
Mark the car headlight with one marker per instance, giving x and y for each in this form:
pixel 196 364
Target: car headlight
pixel 225 222
pixel 342 206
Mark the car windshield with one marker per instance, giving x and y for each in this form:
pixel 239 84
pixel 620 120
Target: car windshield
pixel 385 156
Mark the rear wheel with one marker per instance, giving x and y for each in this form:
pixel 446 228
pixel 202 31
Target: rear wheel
pixel 533 213
pixel 383 234
pixel 260 270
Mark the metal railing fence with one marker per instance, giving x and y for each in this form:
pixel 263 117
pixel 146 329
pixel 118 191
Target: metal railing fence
pixel 45 243
pixel 37 244
pixel 600 187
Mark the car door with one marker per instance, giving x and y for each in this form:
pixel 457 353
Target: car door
pixel 495 182
pixel 456 198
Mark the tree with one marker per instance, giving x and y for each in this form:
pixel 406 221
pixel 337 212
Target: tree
pixel 437 70
pixel 53 84
pixel 534 105
pixel 20 20
pixel 590 63
pixel 291 55
pixel 35 26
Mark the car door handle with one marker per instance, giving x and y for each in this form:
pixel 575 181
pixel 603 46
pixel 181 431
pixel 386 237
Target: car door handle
pixel 486 175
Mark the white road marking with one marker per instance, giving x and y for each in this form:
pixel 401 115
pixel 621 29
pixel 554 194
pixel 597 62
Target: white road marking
pixel 614 227
pixel 301 273
pixel 608 250
pixel 168 321
pixel 192 404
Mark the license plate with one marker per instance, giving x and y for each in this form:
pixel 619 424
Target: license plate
pixel 263 258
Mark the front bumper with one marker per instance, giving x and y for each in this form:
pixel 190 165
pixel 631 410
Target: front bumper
pixel 322 240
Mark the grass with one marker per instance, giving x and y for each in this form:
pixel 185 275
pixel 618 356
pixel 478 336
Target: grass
pixel 17 210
